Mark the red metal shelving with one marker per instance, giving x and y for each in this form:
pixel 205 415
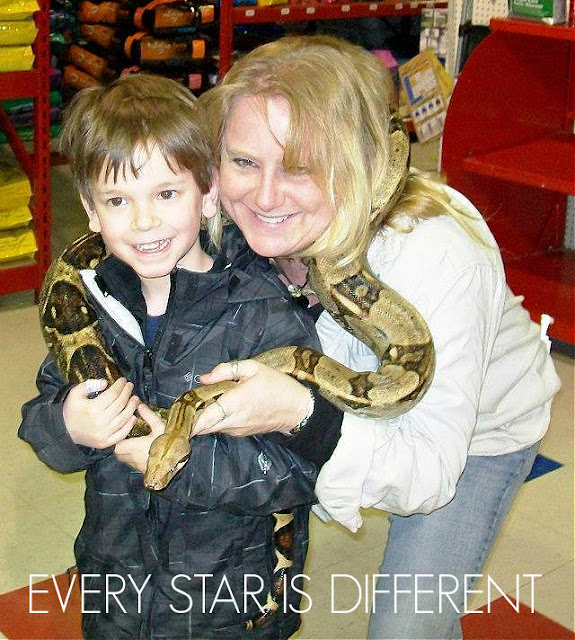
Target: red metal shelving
pixel 303 11
pixel 508 145
pixel 22 276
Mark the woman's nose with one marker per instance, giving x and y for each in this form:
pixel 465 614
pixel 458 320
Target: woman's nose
pixel 269 192
pixel 144 217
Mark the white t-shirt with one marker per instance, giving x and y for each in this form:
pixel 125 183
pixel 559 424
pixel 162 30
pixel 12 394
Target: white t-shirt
pixel 493 383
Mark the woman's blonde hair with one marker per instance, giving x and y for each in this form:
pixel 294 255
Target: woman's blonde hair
pixel 339 96
pixel 104 127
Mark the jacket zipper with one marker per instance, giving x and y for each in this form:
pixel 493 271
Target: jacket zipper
pixel 151 352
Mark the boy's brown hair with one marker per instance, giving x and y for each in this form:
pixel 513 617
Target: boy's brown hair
pixel 103 126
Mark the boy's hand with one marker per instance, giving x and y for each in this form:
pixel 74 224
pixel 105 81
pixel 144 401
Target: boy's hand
pixel 135 451
pixel 102 421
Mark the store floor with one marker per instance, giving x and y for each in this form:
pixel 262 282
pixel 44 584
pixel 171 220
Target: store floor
pixel 42 510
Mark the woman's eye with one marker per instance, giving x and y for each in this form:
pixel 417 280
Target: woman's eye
pixel 116 202
pixel 243 162
pixel 167 194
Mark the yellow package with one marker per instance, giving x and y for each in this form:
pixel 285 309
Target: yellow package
pixel 17 9
pixel 16 58
pixel 15 190
pixel 21 32
pixel 18 217
pixel 17 244
pixel 425 91
pixel 269 3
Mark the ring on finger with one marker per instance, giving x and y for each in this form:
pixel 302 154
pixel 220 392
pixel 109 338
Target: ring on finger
pixel 235 374
pixel 224 414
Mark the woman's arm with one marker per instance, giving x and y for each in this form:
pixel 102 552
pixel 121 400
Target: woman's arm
pixel 413 462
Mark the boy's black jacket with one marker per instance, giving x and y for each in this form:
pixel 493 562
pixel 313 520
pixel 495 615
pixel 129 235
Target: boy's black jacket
pixel 213 519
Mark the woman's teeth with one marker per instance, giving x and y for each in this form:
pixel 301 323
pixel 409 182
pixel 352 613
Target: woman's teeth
pixel 272 220
pixel 150 247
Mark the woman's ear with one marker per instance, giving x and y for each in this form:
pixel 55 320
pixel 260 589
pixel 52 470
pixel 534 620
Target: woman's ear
pixel 211 200
pixel 93 219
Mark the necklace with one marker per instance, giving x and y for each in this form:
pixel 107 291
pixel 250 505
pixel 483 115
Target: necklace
pixel 290 270
pixel 296 290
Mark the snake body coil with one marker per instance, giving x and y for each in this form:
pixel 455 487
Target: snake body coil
pixel 356 299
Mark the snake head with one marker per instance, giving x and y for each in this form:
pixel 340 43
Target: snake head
pixel 168 454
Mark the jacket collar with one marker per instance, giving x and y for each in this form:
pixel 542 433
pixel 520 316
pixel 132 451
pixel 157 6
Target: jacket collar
pixel 238 275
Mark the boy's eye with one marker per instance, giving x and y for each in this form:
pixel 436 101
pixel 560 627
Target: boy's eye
pixel 167 194
pixel 116 202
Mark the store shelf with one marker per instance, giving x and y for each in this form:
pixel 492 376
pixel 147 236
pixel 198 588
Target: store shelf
pixel 508 145
pixel 20 84
pixel 547 282
pixel 17 276
pixel 546 163
pixel 327 11
pixel 303 11
pixel 22 276
pixel 533 28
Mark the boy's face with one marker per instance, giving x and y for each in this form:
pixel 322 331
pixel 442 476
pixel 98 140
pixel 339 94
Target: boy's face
pixel 152 221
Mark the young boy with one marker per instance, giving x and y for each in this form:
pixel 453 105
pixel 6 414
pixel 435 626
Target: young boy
pixel 180 563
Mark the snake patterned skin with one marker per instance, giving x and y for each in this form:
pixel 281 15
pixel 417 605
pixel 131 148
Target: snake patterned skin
pixel 352 294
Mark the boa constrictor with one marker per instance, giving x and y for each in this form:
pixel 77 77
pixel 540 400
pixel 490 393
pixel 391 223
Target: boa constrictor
pixel 356 299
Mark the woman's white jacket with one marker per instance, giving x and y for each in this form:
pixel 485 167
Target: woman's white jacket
pixel 493 383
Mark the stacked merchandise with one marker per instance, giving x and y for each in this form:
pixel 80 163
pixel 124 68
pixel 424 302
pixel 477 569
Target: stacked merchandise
pixel 175 39
pixel 17 33
pixel 21 113
pixel 169 37
pixel 95 57
pixel 64 31
pixel 16 236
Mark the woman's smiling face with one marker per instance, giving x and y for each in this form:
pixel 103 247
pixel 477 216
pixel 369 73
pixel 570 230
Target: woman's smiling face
pixel 280 212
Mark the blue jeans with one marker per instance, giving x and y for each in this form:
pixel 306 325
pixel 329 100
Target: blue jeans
pixel 448 544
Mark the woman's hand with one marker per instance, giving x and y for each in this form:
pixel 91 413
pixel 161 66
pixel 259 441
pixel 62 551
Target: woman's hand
pixel 102 421
pixel 135 451
pixel 265 400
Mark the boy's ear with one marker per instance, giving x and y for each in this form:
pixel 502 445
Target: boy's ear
pixel 93 219
pixel 210 201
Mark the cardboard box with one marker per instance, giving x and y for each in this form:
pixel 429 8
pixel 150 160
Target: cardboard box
pixel 547 11
pixel 425 91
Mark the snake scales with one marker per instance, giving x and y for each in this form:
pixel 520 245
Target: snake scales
pixel 356 299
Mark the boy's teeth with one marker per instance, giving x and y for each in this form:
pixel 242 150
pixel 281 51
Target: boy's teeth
pixel 153 246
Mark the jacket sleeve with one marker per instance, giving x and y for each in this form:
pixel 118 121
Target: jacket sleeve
pixel 43 425
pixel 248 476
pixel 254 475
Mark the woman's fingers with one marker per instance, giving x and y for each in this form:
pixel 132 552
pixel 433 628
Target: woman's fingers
pixel 235 370
pixel 263 401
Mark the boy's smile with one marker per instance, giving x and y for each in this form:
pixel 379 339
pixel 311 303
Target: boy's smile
pixel 151 220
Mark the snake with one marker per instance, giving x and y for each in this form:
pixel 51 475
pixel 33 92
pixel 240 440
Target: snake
pixel 357 300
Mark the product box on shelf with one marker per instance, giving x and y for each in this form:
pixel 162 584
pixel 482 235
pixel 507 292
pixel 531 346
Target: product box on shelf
pixel 16 237
pixel 17 244
pixel 547 11
pixel 17 32
pixel 17 9
pixel 425 90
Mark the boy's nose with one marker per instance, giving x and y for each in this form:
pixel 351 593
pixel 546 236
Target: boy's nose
pixel 144 218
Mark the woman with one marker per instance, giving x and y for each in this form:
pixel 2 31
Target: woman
pixel 301 128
